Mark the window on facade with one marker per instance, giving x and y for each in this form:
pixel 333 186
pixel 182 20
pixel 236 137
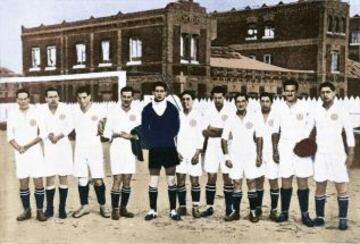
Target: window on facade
pixel 252 56
pixel 184 47
pixel 337 25
pixel 135 51
pixel 189 48
pixel 335 64
pixel 343 25
pixel 355 37
pixel 251 33
pixel 35 57
pixel 194 49
pixel 105 51
pixel 269 32
pixel 80 53
pixel 51 56
pixel 330 24
pixel 267 58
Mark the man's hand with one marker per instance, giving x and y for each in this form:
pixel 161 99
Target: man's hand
pixel 228 163
pixel 195 158
pixel 258 161
pixel 205 133
pixel 276 156
pixel 350 158
pixel 23 149
pixel 181 158
pixel 101 126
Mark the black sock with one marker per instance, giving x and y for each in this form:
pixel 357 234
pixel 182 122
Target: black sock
pixel 237 195
pixel 320 206
pixel 50 199
pixel 343 202
pixel 125 195
pixel 210 191
pixel 274 196
pixel 228 192
pixel 260 194
pixel 84 194
pixel 25 198
pixel 100 193
pixel 181 192
pixel 153 193
pixel 63 192
pixel 303 196
pixel 195 194
pixel 285 199
pixel 252 196
pixel 172 196
pixel 115 198
pixel 39 197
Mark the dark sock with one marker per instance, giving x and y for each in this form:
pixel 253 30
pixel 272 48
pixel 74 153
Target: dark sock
pixel 320 205
pixel 260 194
pixel 195 193
pixel 274 195
pixel 252 196
pixel 125 195
pixel 84 194
pixel 115 198
pixel 210 194
pixel 100 193
pixel 25 198
pixel 39 197
pixel 153 193
pixel 237 195
pixel 285 199
pixel 50 199
pixel 343 201
pixel 172 196
pixel 63 192
pixel 228 192
pixel 181 192
pixel 303 196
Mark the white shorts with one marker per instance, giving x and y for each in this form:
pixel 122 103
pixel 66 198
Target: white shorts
pixel 89 158
pixel 290 164
pixel 186 167
pixel 330 167
pixel 58 158
pixel 122 160
pixel 214 158
pixel 245 166
pixel 271 168
pixel 31 163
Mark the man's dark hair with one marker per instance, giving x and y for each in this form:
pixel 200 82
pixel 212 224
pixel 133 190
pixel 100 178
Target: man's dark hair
pixel 22 90
pixel 266 94
pixel 327 84
pixel 51 88
pixel 241 94
pixel 218 89
pixel 127 89
pixel 83 89
pixel 291 82
pixel 188 92
pixel 160 83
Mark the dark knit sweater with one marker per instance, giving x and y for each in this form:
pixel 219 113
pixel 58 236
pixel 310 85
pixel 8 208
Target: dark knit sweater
pixel 160 131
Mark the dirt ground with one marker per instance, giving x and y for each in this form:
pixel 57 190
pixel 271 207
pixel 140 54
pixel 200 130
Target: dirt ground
pixel 94 229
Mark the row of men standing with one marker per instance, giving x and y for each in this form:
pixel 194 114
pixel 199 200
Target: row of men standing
pixel 243 143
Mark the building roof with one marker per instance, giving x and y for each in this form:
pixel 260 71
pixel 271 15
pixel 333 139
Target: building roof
pixel 226 57
pixel 353 69
pixel 5 72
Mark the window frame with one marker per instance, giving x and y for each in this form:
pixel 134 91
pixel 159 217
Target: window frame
pixel 35 66
pixel 135 56
pixel 270 58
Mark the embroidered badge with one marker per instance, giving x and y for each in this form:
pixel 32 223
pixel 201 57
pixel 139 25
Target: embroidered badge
pixel 334 116
pixel 94 118
pixel 224 117
pixel 132 117
pixel 249 125
pixel 192 123
pixel 271 122
pixel 62 116
pixel 32 122
pixel 299 116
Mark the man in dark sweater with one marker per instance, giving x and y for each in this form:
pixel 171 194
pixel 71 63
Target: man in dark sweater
pixel 160 125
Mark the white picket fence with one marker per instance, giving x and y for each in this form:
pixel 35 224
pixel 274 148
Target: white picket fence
pixel 351 104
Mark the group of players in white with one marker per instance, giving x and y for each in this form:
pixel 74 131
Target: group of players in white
pixel 242 143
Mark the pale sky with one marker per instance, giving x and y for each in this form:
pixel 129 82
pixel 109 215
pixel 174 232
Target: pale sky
pixel 14 13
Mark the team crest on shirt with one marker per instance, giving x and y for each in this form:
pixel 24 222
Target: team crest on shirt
pixel 32 122
pixel 94 118
pixel 334 116
pixel 249 125
pixel 62 116
pixel 271 122
pixel 192 123
pixel 299 116
pixel 224 117
pixel 132 117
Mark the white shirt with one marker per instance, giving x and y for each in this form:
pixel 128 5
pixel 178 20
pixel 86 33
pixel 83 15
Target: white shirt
pixel 190 136
pixel 329 126
pixel 271 126
pixel 243 131
pixel 59 122
pixel 86 125
pixel 295 121
pixel 159 107
pixel 119 120
pixel 24 126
